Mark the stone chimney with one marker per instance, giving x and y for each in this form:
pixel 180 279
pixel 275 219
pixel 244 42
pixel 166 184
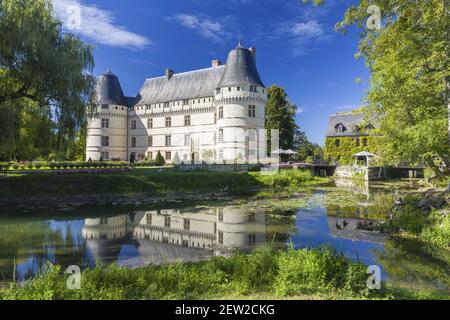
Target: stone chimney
pixel 169 73
pixel 253 50
pixel 215 63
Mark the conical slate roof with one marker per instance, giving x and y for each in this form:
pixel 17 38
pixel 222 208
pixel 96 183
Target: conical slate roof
pixel 109 90
pixel 240 69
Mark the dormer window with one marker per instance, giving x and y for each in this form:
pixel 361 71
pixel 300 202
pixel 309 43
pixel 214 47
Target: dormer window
pixel 252 88
pixel 217 90
pixel 340 128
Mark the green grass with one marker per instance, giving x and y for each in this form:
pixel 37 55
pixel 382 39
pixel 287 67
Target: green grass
pixel 149 181
pixel 316 273
pixel 289 178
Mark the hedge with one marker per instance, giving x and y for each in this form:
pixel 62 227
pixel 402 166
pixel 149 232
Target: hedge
pixel 71 165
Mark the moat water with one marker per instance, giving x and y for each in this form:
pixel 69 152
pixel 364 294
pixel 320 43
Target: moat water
pixel 339 215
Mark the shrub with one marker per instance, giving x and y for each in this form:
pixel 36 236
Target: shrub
pixel 159 160
pixel 4 165
pixel 437 231
pixel 265 270
pixel 288 178
pixel 176 159
pixel 318 270
pixel 410 218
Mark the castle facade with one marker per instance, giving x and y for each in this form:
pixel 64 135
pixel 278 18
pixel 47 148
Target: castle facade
pixel 212 115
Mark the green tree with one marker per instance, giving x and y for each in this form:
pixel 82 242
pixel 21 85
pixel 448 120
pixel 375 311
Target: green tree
pixel 280 114
pixel 44 72
pixel 305 148
pixel 159 160
pixel 176 159
pixel 409 63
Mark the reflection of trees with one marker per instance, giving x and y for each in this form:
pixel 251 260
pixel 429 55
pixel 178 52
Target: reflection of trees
pixel 411 261
pixel 39 242
pixel 19 241
pixel 66 250
pixel 346 204
pixel 279 229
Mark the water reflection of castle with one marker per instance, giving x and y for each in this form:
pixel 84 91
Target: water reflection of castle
pixel 165 236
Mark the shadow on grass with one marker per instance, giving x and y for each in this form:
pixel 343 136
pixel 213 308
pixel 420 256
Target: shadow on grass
pixel 144 181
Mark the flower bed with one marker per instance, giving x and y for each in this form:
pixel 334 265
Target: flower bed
pixel 64 165
pixel 106 170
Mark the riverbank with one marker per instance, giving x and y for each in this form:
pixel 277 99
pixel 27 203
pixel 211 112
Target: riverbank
pixel 142 186
pixel 430 225
pixel 266 273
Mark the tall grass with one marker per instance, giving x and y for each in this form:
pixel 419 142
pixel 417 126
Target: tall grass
pixel 287 178
pixel 317 271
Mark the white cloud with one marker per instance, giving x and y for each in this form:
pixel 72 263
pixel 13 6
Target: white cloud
pixel 96 24
pixel 303 29
pixel 214 30
pixel 300 110
pixel 307 29
pixel 301 36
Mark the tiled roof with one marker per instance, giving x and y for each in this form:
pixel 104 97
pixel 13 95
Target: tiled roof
pixel 240 69
pixel 186 85
pixel 350 121
pixel 109 90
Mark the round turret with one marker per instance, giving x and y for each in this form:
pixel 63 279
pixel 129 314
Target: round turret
pixel 240 100
pixel 107 129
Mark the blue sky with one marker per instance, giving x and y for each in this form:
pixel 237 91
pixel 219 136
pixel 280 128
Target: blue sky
pixel 297 47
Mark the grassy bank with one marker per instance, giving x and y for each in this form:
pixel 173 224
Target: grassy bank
pixel 429 226
pixel 318 273
pixel 150 181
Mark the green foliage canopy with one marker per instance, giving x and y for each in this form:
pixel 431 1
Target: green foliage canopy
pixel 280 114
pixel 44 89
pixel 409 62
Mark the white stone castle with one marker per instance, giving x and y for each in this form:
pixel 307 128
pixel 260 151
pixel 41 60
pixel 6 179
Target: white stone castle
pixel 211 115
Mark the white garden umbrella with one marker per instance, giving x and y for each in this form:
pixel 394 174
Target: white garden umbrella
pixel 364 154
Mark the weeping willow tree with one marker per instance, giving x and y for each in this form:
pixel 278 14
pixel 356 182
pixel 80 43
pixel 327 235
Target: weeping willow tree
pixel 45 82
pixel 406 47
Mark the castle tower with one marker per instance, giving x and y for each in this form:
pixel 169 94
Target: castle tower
pixel 240 100
pixel 107 129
